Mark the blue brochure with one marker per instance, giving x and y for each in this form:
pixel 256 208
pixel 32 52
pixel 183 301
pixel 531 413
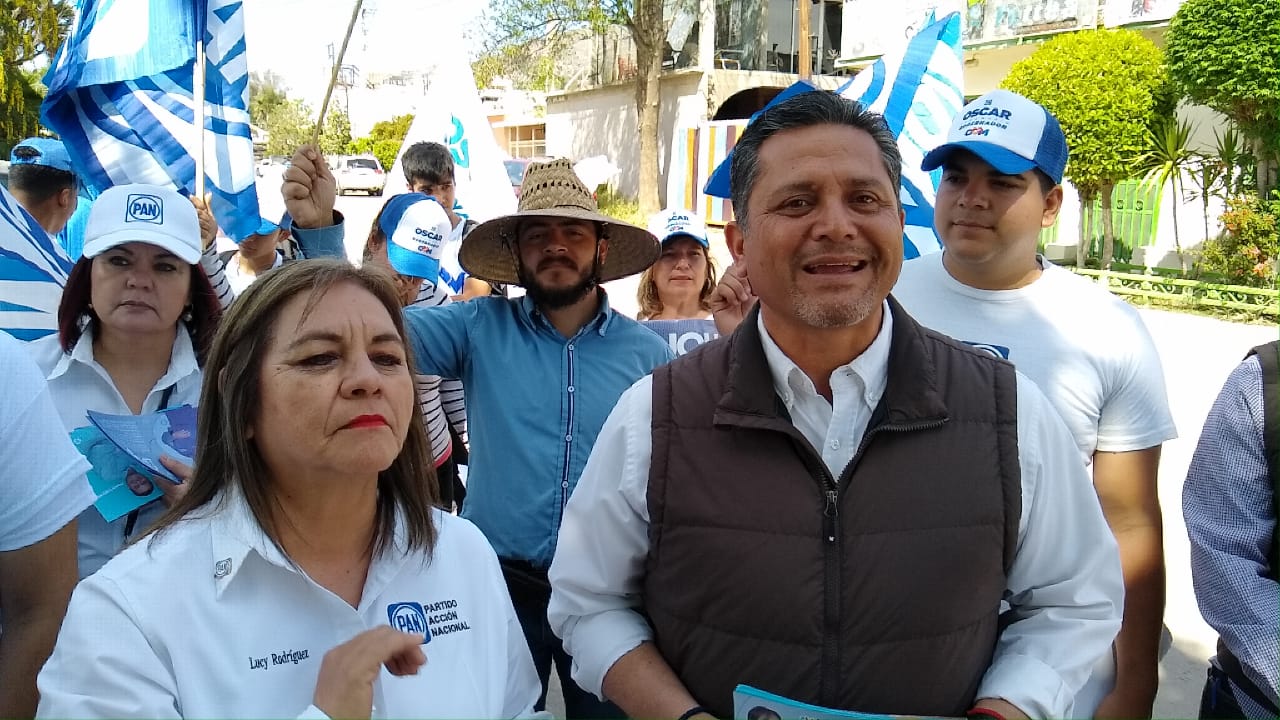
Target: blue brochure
pixel 121 484
pixel 751 703
pixel 146 437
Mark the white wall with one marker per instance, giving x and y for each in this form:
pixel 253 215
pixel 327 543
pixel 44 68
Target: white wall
pixel 602 121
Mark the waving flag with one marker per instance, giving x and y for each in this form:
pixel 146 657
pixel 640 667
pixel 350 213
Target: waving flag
pixel 33 271
pixel 451 114
pixel 121 98
pixel 918 93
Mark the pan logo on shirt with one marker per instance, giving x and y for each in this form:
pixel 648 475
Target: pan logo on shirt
pixel 409 617
pixel 998 351
pixel 429 620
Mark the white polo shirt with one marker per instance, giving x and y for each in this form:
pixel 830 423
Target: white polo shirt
pixel 43 487
pixel 79 384
pixel 213 621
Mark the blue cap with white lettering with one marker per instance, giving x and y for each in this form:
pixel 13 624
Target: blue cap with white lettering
pixel 1009 132
pixel 416 227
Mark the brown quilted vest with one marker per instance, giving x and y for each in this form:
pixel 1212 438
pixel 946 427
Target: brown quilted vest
pixel 876 591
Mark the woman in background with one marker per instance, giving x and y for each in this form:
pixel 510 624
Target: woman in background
pixel 674 292
pixel 135 320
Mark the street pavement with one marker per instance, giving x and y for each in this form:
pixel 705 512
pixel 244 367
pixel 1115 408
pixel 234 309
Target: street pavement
pixel 1197 353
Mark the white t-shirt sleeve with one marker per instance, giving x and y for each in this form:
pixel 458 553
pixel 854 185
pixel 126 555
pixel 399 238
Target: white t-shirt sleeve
pixel 1065 587
pixel 43 483
pixel 598 569
pixel 1136 414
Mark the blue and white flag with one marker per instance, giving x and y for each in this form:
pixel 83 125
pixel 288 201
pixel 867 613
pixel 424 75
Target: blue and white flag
pixel 33 271
pixel 451 114
pixel 918 93
pixel 121 98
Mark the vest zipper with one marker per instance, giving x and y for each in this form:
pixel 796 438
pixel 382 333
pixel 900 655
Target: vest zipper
pixel 830 681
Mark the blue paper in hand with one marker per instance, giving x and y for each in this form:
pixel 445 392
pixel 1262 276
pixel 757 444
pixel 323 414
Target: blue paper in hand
pixel 146 437
pixel 121 485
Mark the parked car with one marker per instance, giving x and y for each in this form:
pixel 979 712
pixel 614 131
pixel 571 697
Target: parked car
pixel 358 172
pixel 276 163
pixel 516 168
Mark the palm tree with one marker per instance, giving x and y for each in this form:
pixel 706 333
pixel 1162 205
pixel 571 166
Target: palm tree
pixel 1208 174
pixel 1167 157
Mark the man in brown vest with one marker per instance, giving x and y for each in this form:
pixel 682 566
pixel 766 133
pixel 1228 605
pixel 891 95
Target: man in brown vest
pixel 833 503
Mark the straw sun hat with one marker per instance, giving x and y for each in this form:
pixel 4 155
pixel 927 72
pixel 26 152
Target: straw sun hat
pixel 552 189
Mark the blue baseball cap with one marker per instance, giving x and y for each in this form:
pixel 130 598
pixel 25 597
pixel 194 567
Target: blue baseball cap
pixel 718 184
pixel 416 227
pixel 265 227
pixel 1009 132
pixel 41 151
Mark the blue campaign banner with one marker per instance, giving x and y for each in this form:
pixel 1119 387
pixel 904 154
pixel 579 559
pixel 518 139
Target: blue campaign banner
pixel 683 335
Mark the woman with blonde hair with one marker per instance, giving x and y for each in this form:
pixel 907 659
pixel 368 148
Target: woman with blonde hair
pixel 674 293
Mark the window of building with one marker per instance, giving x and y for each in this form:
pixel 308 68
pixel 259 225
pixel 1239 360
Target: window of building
pixel 527 141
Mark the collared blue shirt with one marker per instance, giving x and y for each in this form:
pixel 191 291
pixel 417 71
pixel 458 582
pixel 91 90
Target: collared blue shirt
pixel 535 402
pixel 1227 505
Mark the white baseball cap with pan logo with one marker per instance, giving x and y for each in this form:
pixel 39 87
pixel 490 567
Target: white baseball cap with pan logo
pixel 149 214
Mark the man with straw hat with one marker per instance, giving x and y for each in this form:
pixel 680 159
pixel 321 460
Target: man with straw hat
pixel 541 373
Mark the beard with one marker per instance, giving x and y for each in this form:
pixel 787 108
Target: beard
pixel 842 311
pixel 555 298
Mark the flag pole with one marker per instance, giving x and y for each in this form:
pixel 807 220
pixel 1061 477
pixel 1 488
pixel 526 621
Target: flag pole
pixel 198 91
pixel 333 77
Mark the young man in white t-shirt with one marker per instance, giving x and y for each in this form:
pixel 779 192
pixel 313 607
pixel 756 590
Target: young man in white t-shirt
pixel 1087 350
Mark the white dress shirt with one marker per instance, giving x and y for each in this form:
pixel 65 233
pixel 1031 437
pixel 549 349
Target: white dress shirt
pixel 78 383
pixel 835 428
pixel 1065 585
pixel 212 620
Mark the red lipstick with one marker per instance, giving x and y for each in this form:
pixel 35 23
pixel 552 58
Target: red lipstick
pixel 367 421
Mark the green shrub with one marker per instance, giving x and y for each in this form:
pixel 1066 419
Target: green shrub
pixel 1247 251
pixel 617 206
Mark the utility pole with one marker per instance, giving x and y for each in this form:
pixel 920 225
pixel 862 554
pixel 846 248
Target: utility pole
pixel 802 45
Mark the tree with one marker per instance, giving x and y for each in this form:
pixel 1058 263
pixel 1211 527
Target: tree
pixel 516 22
pixel 29 30
pixel 1104 86
pixel 1168 156
pixel 530 65
pixel 20 122
pixel 384 140
pixel 267 94
pixel 335 137
pixel 289 126
pixel 394 129
pixel 1226 54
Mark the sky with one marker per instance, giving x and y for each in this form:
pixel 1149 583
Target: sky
pixel 291 37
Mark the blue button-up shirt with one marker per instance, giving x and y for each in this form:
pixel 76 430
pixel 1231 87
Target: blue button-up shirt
pixel 1228 508
pixel 535 402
